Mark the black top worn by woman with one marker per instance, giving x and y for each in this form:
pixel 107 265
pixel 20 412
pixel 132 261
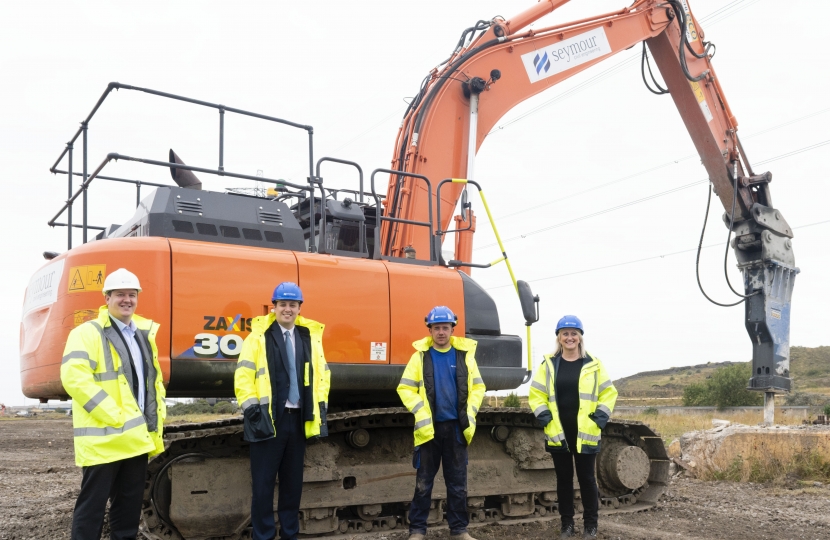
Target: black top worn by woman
pixel 567 398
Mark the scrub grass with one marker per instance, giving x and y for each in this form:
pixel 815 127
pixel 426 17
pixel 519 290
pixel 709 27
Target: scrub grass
pixel 672 426
pixel 804 466
pixel 196 418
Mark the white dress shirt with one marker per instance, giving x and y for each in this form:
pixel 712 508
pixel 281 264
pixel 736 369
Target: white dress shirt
pixel 129 331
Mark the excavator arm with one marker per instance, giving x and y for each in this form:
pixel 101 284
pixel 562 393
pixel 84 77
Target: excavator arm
pixel 500 63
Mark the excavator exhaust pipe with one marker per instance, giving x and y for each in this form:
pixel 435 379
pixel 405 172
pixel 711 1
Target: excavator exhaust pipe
pixel 183 178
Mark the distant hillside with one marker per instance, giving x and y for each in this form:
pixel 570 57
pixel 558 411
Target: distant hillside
pixel 809 368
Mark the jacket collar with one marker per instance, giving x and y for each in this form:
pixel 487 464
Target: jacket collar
pixel 460 343
pixel 104 319
pixel 588 361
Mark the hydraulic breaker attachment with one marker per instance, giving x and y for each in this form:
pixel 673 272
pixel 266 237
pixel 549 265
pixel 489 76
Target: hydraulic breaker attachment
pixel 763 247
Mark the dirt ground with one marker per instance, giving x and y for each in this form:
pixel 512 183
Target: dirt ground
pixel 39 483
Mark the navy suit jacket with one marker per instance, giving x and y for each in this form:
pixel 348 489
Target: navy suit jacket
pixel 278 369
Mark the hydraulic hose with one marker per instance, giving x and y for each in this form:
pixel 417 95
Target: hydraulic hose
pixel 684 43
pixel 697 259
pixel 419 116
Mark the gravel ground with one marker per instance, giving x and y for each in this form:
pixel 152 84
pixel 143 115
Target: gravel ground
pixel 39 482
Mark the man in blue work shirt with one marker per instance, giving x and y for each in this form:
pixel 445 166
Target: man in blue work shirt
pixel 442 383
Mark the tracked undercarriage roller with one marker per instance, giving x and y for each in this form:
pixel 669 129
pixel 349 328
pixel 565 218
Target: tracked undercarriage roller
pixel 361 478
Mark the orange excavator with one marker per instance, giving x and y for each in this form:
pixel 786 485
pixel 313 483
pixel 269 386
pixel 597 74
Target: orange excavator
pixel 371 266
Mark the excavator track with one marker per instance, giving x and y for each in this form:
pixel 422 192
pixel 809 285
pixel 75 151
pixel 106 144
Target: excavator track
pixel 360 478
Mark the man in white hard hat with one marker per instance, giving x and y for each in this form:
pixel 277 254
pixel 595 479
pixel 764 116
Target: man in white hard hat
pixel 110 369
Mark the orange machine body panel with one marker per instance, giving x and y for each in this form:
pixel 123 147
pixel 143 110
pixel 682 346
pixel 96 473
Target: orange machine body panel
pixel 351 297
pixel 217 290
pixel 67 291
pixel 373 310
pixel 411 299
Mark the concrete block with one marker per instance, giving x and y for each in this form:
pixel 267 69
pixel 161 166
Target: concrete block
pixel 716 449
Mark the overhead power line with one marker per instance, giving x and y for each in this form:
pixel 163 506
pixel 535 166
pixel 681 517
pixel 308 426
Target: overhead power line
pixel 715 19
pixel 397 112
pixel 722 10
pixel 601 212
pixel 658 167
pixel 646 198
pixel 624 263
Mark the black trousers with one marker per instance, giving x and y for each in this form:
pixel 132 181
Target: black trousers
pixel 120 482
pixel 281 455
pixel 585 464
pixel 447 449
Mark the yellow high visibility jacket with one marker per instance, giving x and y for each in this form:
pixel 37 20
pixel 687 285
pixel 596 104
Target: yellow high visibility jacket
pixel 417 391
pixel 108 425
pixel 252 382
pixel 597 397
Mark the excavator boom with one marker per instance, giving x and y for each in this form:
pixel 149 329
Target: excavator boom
pixel 507 63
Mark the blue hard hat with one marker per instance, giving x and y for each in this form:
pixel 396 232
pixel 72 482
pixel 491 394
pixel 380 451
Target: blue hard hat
pixel 287 291
pixel 441 314
pixel 569 321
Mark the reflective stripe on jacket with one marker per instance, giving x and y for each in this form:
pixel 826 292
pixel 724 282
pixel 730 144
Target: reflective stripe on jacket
pixel 416 396
pixel 252 382
pixel 597 397
pixel 108 425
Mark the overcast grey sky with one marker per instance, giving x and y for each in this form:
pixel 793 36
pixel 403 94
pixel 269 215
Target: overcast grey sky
pixel 593 143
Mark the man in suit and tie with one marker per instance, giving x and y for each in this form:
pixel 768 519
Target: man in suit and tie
pixel 282 384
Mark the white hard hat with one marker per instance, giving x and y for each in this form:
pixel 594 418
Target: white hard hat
pixel 121 279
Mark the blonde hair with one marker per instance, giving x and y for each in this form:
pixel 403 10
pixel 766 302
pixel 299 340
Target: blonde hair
pixel 583 351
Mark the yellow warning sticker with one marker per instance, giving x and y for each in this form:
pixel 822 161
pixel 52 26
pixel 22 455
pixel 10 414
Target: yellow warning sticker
pixel 84 315
pixel 701 99
pixel 87 278
pixel 698 91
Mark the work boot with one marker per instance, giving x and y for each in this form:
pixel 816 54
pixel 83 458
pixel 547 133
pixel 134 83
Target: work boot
pixel 589 532
pixel 416 536
pixel 567 530
pixel 462 536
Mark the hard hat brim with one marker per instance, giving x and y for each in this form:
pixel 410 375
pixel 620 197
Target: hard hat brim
pixel 138 289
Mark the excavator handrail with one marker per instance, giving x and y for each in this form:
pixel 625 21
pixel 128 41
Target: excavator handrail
pixel 381 218
pixel 492 224
pixel 323 210
pixel 114 156
pixel 84 129
pixel 503 258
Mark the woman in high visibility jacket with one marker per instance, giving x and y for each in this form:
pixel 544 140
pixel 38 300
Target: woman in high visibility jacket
pixel 573 397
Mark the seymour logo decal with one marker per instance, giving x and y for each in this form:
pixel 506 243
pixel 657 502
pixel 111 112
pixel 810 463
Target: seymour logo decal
pixel 566 54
